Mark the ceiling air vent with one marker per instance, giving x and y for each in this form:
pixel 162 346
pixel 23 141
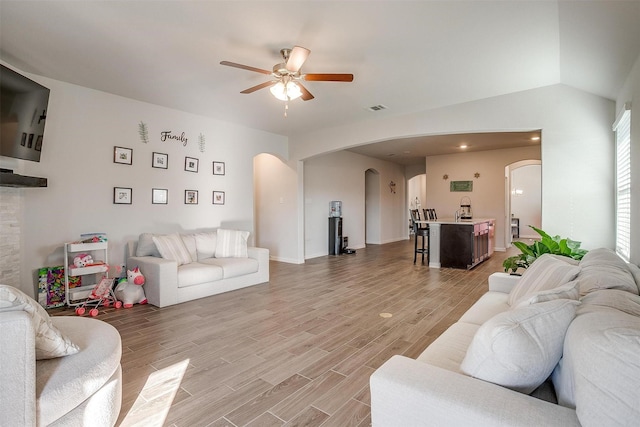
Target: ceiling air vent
pixel 377 107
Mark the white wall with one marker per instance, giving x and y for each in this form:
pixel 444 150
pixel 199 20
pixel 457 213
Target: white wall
pixel 341 176
pixel 487 197
pixel 526 194
pixel 577 149
pixel 631 93
pixel 373 225
pixel 275 207
pixel 83 126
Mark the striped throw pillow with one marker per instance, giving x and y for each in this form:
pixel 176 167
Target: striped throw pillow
pixel 231 243
pixel 172 247
pixel 547 272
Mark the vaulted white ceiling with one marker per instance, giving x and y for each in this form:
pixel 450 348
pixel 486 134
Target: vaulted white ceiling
pixel 406 55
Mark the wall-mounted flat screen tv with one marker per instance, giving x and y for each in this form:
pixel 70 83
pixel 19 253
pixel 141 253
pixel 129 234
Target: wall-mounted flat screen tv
pixel 23 113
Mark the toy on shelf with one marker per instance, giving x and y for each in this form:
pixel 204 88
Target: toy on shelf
pixel 82 260
pixel 102 294
pixel 129 290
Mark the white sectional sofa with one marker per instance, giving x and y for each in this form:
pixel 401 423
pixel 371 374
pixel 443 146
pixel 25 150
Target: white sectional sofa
pixel 56 371
pixel 186 266
pixel 559 346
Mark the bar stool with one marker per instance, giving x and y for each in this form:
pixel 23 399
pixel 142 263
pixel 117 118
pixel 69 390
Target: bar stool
pixel 422 232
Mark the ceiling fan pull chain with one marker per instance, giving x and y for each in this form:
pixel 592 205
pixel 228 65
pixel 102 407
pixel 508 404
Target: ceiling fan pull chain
pixel 286 107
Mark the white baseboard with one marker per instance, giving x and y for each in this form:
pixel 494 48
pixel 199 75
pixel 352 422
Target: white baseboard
pixel 287 260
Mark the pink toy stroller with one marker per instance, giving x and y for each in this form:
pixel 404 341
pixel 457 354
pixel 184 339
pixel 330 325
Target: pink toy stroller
pixel 102 294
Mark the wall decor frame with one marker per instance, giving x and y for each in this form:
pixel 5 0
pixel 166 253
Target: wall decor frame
pixel 218 197
pixel 218 168
pixel 191 164
pixel 190 197
pixel 159 196
pixel 123 155
pixel 461 186
pixel 122 195
pixel 160 160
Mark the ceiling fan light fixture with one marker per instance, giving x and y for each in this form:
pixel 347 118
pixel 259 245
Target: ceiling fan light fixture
pixel 286 92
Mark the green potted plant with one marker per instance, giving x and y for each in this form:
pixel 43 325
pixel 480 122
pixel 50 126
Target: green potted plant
pixel 547 245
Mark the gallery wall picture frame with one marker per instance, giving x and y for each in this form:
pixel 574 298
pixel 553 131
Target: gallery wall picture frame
pixel 218 197
pixel 122 195
pixel 218 168
pixel 123 155
pixel 191 164
pixel 159 196
pixel 190 197
pixel 160 160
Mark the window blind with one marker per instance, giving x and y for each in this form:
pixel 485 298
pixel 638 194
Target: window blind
pixel 622 128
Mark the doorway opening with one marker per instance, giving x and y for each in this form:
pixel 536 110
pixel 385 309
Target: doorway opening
pixel 523 193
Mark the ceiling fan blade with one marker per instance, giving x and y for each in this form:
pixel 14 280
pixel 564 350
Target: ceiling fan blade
pixel 244 67
pixel 296 58
pixel 328 77
pixel 306 95
pixel 258 87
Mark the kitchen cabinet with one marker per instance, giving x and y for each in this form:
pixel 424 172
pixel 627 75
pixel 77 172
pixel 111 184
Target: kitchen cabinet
pixel 464 244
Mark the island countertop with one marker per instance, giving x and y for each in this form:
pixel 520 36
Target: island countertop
pixel 459 222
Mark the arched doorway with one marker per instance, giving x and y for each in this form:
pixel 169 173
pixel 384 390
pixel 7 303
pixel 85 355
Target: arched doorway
pixel 523 197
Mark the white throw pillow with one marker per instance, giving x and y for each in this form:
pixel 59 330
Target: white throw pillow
pixel 172 247
pixel 206 245
pixel 569 291
pixel 546 272
pixel 519 348
pixel 603 269
pixel 50 342
pixel 146 247
pixel 231 243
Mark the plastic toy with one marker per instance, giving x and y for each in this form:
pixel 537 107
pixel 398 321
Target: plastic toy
pixel 82 260
pixel 102 294
pixel 130 291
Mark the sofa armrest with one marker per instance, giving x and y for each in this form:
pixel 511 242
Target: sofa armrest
pixel 262 256
pixel 503 282
pixel 161 279
pixel 17 370
pixel 407 392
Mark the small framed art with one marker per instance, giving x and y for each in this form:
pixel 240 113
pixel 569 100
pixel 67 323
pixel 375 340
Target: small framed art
pixel 122 195
pixel 159 196
pixel 190 197
pixel 218 197
pixel 218 168
pixel 123 155
pixel 191 164
pixel 160 160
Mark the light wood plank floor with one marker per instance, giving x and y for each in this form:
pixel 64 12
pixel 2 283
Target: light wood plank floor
pixel 297 351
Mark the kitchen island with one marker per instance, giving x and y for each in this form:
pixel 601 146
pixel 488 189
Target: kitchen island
pixel 460 244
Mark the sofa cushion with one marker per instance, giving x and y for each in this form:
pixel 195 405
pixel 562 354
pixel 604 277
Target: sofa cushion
pixel 64 383
pixel 206 245
pixel 231 243
pixel 233 267
pixel 146 246
pixel 50 342
pixel 569 291
pixel 546 272
pixel 449 349
pixel 189 241
pixel 603 269
pixel 196 273
pixel 599 373
pixel 519 348
pixel 172 247
pixel 487 306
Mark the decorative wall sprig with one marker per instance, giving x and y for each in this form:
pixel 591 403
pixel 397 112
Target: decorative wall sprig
pixel 144 132
pixel 201 143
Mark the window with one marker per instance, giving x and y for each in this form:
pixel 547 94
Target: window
pixel 622 128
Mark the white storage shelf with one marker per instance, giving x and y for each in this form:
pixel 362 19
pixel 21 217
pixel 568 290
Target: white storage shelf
pixel 78 295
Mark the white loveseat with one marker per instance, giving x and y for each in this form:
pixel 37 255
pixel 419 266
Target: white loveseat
pixel 186 266
pixel 77 379
pixel 469 375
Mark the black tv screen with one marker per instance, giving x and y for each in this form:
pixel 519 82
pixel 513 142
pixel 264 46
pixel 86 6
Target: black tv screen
pixel 23 113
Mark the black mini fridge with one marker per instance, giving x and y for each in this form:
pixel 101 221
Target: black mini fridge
pixel 335 235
